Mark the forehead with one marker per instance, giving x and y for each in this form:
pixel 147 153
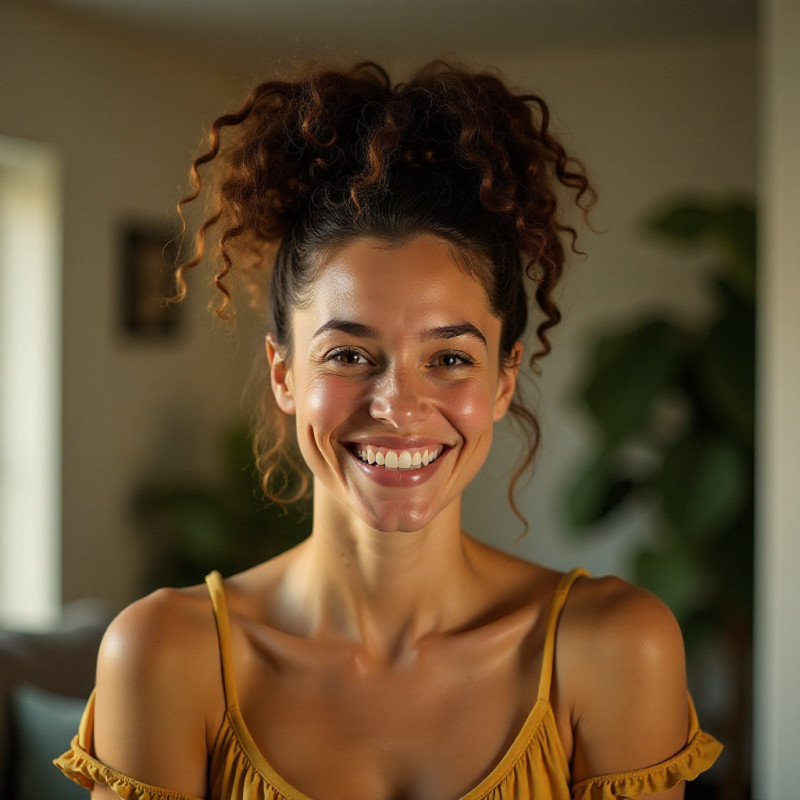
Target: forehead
pixel 405 282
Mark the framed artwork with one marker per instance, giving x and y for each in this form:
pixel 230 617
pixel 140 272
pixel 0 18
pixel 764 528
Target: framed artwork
pixel 149 254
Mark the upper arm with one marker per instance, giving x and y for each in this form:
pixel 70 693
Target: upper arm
pixel 151 695
pixel 630 703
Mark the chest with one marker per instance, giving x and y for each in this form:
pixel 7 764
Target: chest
pixel 425 730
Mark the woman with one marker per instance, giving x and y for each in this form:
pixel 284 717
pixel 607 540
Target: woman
pixel 391 655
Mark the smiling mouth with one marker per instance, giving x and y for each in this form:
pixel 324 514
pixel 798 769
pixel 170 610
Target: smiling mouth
pixel 398 460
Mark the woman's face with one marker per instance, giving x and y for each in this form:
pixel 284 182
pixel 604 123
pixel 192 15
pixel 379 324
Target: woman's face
pixel 395 380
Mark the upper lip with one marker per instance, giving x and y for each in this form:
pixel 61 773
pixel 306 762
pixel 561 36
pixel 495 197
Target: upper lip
pixel 398 443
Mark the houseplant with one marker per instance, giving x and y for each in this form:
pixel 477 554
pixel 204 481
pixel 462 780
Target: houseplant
pixel 673 409
pixel 195 525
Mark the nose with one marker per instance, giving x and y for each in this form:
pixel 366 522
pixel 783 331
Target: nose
pixel 400 397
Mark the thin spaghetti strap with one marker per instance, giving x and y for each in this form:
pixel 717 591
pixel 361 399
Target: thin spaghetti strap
pixel 217 593
pixel 556 607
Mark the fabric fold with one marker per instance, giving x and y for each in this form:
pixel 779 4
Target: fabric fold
pixel 87 771
pixel 698 755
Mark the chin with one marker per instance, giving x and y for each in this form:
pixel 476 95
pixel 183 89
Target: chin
pixel 400 526
pixel 405 519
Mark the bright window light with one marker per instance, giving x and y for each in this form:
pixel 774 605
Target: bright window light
pixel 30 383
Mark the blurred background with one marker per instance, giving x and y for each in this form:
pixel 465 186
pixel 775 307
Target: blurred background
pixel 121 428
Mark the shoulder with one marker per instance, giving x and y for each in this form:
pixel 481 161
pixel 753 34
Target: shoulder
pixel 621 673
pixel 616 621
pixel 159 689
pixel 157 638
pixel 150 624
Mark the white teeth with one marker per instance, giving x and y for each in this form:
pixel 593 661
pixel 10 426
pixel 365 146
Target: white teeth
pixel 402 460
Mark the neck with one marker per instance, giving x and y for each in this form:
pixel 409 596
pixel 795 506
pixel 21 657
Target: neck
pixel 384 591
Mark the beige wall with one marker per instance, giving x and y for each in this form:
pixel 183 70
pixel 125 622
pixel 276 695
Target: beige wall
pixel 124 117
pixel 648 119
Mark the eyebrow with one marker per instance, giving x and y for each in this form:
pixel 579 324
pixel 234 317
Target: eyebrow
pixel 452 331
pixel 365 331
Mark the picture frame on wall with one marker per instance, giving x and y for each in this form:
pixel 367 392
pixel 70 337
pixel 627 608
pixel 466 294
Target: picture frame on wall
pixel 149 257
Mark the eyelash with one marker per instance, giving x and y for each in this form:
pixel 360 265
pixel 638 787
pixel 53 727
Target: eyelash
pixel 463 358
pixel 334 355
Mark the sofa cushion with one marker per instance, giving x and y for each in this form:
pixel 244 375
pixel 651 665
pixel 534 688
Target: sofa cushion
pixel 42 724
pixel 60 661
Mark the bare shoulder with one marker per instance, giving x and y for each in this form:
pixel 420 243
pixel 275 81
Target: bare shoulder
pixel 622 675
pixel 619 622
pixel 156 630
pixel 158 690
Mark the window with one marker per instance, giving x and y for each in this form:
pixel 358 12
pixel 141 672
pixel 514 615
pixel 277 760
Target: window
pixel 30 383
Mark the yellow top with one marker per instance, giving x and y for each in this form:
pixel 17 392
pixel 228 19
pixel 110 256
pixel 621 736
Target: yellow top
pixel 535 765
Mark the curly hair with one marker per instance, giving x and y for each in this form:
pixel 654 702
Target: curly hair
pixel 305 166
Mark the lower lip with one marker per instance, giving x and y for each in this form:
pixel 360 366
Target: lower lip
pixel 399 478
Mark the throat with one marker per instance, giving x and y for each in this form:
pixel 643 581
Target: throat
pixel 382 592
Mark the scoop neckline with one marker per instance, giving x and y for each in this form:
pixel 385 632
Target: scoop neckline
pixel 511 756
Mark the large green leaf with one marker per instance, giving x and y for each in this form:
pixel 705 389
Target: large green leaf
pixel 731 227
pixel 673 574
pixel 683 219
pixel 628 374
pixel 726 370
pixel 704 485
pixel 598 489
pixel 735 230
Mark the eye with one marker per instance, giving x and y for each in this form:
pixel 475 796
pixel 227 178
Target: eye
pixel 347 356
pixel 452 360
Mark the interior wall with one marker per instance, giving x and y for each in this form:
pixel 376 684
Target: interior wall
pixel 124 117
pixel 648 119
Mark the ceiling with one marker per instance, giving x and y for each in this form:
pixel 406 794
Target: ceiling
pixel 250 32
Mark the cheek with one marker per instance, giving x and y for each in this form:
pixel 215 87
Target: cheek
pixel 327 402
pixel 470 407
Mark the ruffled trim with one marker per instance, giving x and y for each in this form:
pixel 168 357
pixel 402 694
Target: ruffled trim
pixel 701 752
pixel 87 771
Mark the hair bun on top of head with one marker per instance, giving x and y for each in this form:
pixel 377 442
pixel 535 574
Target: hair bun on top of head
pixel 338 136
